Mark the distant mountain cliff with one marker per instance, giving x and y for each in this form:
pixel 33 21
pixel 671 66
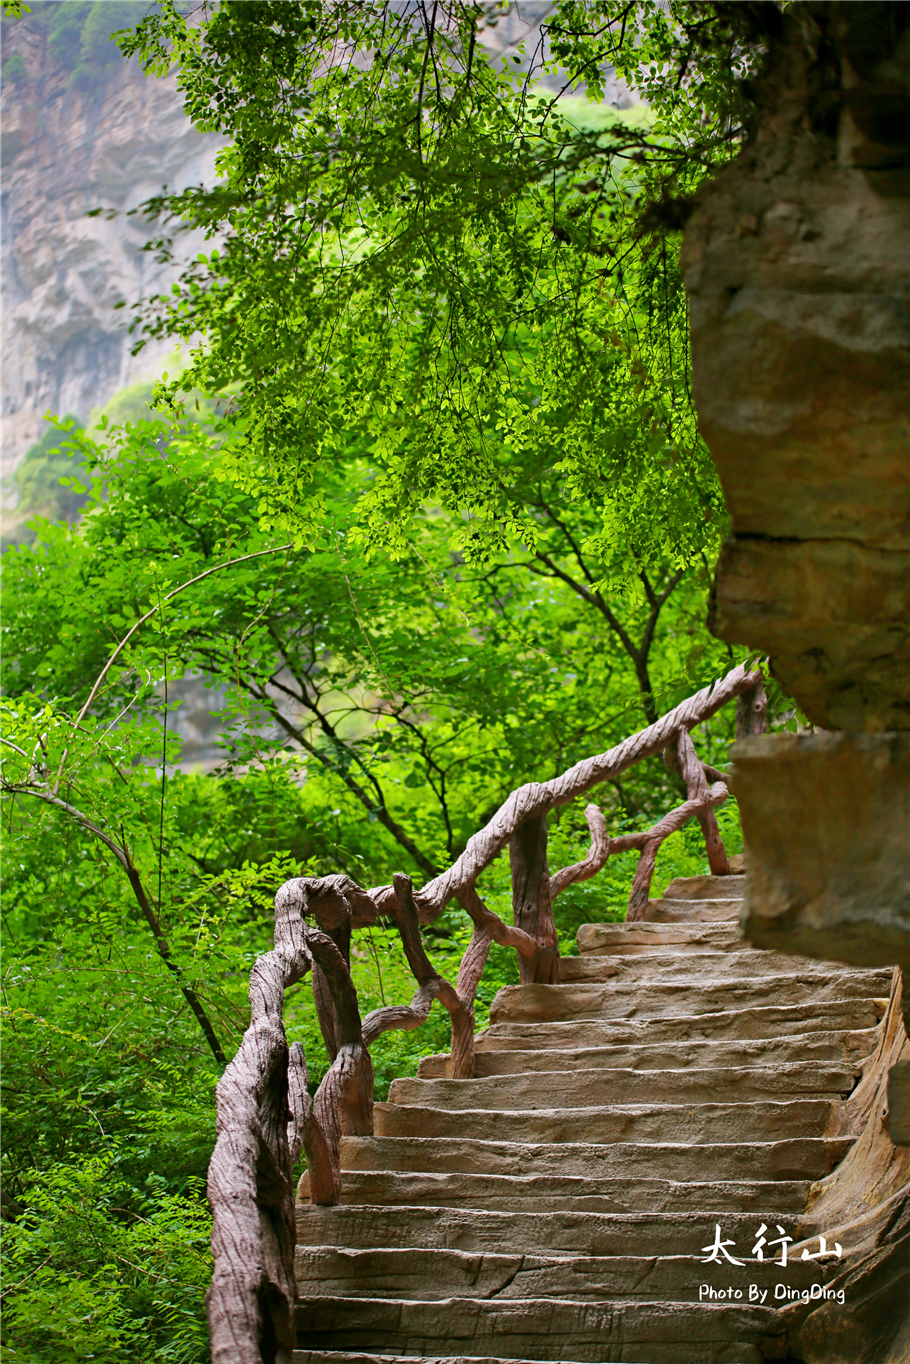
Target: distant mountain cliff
pixel 81 129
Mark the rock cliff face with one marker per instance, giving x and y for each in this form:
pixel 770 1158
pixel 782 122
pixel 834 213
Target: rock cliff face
pixel 797 273
pixel 798 278
pixel 68 147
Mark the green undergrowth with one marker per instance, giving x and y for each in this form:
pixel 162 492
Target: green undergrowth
pixel 96 1267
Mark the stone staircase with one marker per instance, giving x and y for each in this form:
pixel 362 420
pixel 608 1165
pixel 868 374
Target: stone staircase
pixel 555 1207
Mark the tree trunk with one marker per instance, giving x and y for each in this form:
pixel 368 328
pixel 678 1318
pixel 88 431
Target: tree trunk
pixel 531 903
pixel 751 712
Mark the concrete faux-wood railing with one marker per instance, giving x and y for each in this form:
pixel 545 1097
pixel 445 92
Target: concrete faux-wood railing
pixel 265 1112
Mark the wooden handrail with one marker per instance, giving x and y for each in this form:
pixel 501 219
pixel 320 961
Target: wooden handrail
pixel 265 1113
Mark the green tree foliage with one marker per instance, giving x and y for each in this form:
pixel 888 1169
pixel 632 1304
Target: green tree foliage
pixel 374 714
pixel 421 247
pixel 107 1271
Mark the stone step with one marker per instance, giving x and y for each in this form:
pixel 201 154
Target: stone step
pixel 691 1122
pixel 667 911
pixel 437 1274
pixel 679 994
pixel 656 967
pixel 630 939
pixel 847 1047
pixel 312 1356
pixel 591 1088
pixel 567 1193
pixel 764 1021
pixel 706 888
pixel 787 1160
pixel 543 1329
pixel 574 1233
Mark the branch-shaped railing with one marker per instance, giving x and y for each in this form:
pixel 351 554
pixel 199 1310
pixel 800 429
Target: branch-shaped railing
pixel 265 1113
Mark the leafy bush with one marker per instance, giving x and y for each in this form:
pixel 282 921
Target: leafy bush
pixel 97 1268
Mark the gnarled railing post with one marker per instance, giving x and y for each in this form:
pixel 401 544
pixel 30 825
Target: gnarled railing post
pixel 532 907
pixel 641 881
pixel 325 1011
pixel 488 928
pixel 430 983
pixel 460 1012
pixel 751 719
pixel 264 1117
pixel 752 712
pixel 333 914
pixel 344 1100
pixel 646 843
pixel 697 789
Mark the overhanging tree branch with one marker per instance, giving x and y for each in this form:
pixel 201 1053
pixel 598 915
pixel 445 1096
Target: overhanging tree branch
pixel 134 877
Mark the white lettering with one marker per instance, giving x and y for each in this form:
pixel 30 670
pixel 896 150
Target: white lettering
pixel 720 1248
pixel 823 1252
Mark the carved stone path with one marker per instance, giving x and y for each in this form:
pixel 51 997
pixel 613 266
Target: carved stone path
pixel 555 1207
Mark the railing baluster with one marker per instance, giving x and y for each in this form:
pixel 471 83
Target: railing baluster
pixel 697 788
pixel 532 907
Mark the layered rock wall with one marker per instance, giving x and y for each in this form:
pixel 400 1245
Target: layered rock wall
pixel 798 274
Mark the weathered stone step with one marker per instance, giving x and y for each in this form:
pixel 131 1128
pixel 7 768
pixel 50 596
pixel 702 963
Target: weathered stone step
pixel 706 888
pixel 691 1122
pixel 847 1047
pixel 310 1356
pixel 671 939
pixel 542 1329
pixel 679 994
pixel 653 968
pixel 591 1088
pixel 667 911
pixel 764 1021
pixel 567 1193
pixel 787 1160
pixel 576 1233
pixel 434 1275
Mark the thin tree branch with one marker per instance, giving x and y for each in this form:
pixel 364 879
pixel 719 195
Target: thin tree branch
pixel 121 852
pixel 231 563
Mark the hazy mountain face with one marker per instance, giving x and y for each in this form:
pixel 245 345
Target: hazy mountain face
pixel 82 129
